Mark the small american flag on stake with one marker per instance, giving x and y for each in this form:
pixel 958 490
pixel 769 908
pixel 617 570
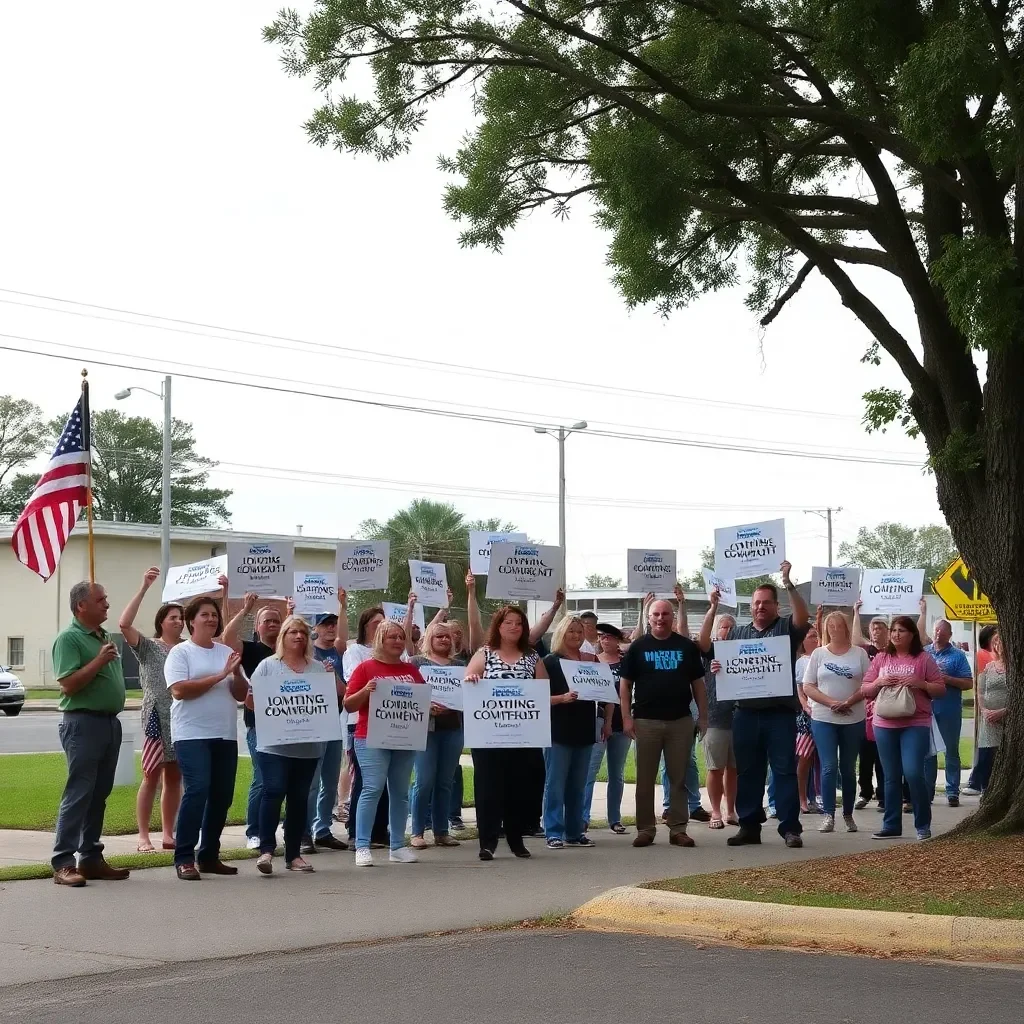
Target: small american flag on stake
pixel 44 526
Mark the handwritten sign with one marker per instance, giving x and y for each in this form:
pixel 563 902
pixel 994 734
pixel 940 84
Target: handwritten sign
pixel 524 571
pixel 429 582
pixel 754 668
pixel 363 564
pixel 591 680
pixel 726 588
pixel 835 585
pixel 300 708
pixel 263 568
pixel 399 716
pixel 507 713
pixel 480 548
pixel 756 549
pixel 445 684
pixel 650 570
pixel 891 591
pixel 396 613
pixel 315 593
pixel 194 579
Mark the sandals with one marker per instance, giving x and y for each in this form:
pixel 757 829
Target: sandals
pixel 418 843
pixel 716 823
pixel 147 848
pixel 732 820
pixel 300 865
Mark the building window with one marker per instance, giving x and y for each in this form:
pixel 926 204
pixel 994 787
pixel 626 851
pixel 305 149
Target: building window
pixel 16 651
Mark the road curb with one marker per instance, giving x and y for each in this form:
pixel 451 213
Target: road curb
pixel 678 915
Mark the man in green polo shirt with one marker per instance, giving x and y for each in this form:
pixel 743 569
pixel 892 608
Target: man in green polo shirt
pixel 88 667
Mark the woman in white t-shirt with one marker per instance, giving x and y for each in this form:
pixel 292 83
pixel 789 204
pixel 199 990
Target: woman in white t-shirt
pixel 831 684
pixel 206 681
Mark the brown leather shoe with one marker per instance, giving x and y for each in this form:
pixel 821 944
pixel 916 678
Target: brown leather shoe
pixel 69 876
pixel 681 839
pixel 217 867
pixel 643 839
pixel 99 870
pixel 187 872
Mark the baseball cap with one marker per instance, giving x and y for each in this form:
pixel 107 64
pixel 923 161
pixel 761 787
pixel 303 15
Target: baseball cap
pixel 325 620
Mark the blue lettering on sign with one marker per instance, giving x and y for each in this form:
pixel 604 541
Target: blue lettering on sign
pixel 748 531
pixel 508 691
pixel 296 687
pixel 754 648
pixel 534 552
pixel 652 559
pixel 892 578
pixel 259 549
pixel 362 551
pixel 401 691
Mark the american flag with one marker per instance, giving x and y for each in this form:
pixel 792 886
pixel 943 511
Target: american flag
pixel 43 527
pixel 153 744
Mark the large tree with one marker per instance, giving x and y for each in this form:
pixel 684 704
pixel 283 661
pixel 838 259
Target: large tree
pixel 23 435
pixel 765 140
pixel 895 546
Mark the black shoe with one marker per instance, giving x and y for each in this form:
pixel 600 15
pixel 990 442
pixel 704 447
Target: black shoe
pixel 953 801
pixel 887 835
pixel 307 847
pixel 486 854
pixel 745 837
pixel 187 872
pixel 521 851
pixel 861 803
pixel 329 841
pixel 793 841
pixel 457 825
pixel 700 815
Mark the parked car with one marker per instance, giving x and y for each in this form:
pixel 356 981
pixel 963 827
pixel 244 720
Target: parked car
pixel 12 693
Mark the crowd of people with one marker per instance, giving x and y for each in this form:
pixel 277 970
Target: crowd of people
pixel 881 702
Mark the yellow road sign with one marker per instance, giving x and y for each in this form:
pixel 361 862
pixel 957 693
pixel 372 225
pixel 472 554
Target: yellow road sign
pixel 962 596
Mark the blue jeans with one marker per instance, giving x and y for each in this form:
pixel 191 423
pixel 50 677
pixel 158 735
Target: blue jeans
pixel 692 783
pixel 846 739
pixel 903 753
pixel 763 739
pixel 435 773
pixel 252 810
pixel 949 723
pixel 380 768
pixel 983 769
pixel 771 792
pixel 617 747
pixel 323 790
pixel 208 775
pixel 285 780
pixel 565 779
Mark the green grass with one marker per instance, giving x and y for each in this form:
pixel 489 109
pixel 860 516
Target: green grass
pixel 134 861
pixel 32 785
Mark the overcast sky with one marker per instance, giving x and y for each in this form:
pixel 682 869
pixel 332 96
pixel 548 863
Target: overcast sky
pixel 156 162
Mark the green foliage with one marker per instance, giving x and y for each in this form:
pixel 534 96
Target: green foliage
pixel 895 546
pixel 961 453
pixel 886 405
pixel 15 494
pixel 23 436
pixel 595 581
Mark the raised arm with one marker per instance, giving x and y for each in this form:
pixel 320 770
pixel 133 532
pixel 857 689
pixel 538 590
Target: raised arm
pixel 704 639
pixel 126 623
pixel 801 616
pixel 543 624
pixel 341 636
pixel 922 621
pixel 230 635
pixel 410 647
pixel 682 626
pixel 857 636
pixel 474 622
pixel 641 622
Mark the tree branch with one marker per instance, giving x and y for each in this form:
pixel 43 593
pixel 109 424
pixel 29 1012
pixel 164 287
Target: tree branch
pixel 795 285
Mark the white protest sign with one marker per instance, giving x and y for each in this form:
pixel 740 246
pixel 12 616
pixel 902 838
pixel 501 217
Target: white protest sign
pixel 650 570
pixel 194 579
pixel 891 591
pixel 754 668
pixel 480 548
pixel 524 571
pixel 507 713
pixel 591 680
pixel 396 613
pixel 315 593
pixel 836 586
pixel 726 588
pixel 300 708
pixel 429 582
pixel 363 564
pixel 263 568
pixel 399 716
pixel 756 549
pixel 445 684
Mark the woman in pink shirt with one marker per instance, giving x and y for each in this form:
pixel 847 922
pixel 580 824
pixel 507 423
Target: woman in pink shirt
pixel 904 742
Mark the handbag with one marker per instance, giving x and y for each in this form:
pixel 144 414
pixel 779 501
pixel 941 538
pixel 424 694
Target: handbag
pixel 895 702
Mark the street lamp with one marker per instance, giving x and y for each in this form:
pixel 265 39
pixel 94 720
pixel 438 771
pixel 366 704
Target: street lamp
pixel 165 486
pixel 563 433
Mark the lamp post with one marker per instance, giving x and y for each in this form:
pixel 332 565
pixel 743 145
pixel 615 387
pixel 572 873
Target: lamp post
pixel 560 436
pixel 165 486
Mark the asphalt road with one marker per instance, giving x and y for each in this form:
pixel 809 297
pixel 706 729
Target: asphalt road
pixel 531 975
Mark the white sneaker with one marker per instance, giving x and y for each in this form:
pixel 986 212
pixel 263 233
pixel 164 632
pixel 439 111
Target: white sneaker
pixel 252 843
pixel 851 825
pixel 364 859
pixel 403 855
pixel 970 791
pixel 828 823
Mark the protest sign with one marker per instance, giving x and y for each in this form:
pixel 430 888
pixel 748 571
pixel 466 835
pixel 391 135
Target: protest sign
pixel 445 684
pixel 507 713
pixel 429 582
pixel 194 579
pixel 726 588
pixel 835 586
pixel 396 613
pixel 756 549
pixel 300 708
pixel 891 591
pixel 754 668
pixel 315 593
pixel 524 571
pixel 263 568
pixel 650 570
pixel 591 680
pixel 399 716
pixel 480 548
pixel 363 564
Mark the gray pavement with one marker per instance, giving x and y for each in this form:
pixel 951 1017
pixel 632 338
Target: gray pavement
pixel 49 931
pixel 532 975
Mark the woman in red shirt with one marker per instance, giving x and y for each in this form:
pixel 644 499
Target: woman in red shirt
pixel 379 767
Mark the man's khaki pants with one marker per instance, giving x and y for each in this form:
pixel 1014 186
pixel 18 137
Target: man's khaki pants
pixel 674 738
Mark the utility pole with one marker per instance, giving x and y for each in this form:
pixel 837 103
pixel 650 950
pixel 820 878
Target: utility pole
pixel 165 495
pixel 563 433
pixel 826 514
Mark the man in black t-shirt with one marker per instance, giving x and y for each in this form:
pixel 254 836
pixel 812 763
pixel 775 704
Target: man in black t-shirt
pixel 658 676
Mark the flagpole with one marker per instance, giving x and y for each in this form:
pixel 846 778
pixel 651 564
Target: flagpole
pixel 87 437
